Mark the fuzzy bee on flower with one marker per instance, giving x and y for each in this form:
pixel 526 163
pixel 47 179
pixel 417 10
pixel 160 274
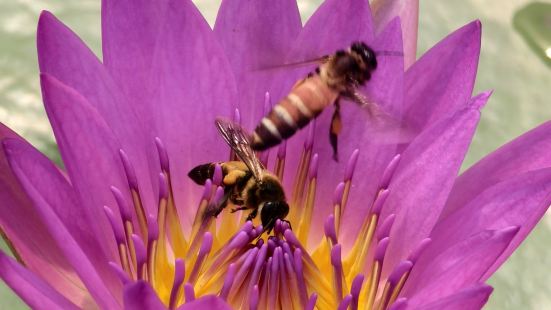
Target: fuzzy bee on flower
pixel 247 183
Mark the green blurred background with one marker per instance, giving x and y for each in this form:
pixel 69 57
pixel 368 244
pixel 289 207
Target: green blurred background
pixel 508 65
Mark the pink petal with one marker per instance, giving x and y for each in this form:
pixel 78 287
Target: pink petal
pixel 64 56
pixel 528 152
pixel 140 296
pixel 334 25
pixel 65 219
pixel 130 30
pixel 31 288
pixel 458 266
pixel 424 177
pixel 193 85
pixel 408 11
pixel 519 201
pixel 471 298
pixel 208 302
pixel 90 154
pixel 25 229
pixel 256 35
pixel 448 72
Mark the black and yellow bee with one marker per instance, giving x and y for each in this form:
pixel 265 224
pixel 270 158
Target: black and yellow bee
pixel 247 184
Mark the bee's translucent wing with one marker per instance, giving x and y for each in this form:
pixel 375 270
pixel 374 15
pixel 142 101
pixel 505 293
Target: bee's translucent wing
pixel 385 127
pixel 297 64
pixel 236 137
pixel 389 53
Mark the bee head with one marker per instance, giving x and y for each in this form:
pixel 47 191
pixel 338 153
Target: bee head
pixel 272 211
pixel 366 53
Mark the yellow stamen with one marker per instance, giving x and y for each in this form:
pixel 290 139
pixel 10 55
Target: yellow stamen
pixel 123 255
pixel 279 167
pixel 396 291
pixel 383 301
pixel 300 180
pixel 179 242
pixel 306 218
pixel 152 261
pixel 129 230
pixel 140 212
pixel 355 260
pixel 372 284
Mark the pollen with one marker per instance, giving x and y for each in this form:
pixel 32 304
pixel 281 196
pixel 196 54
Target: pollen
pixel 235 259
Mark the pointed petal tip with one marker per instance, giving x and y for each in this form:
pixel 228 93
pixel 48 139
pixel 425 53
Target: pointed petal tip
pixel 474 26
pixel 480 100
pixel 508 232
pixel 45 16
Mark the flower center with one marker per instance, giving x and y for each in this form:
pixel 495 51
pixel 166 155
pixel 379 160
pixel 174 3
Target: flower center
pixel 234 259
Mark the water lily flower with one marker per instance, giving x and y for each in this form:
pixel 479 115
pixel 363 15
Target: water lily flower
pixel 389 226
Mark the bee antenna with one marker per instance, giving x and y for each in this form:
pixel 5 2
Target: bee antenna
pixel 389 53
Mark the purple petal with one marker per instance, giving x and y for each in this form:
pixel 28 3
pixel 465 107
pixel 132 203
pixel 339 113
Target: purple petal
pixel 208 302
pixel 130 30
pixel 408 11
pixel 448 71
pixel 140 296
pixel 386 86
pixel 31 239
pixel 334 25
pixel 520 201
pixel 52 187
pixel 260 37
pixel 474 297
pixel 35 175
pixel 193 85
pixel 423 179
pixel 65 57
pixel 30 287
pixel 527 152
pixel 90 154
pixel 456 267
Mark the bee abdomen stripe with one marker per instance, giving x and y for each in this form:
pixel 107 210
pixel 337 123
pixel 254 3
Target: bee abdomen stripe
pixel 314 90
pixel 284 115
pixel 268 124
pixel 299 104
pixel 257 140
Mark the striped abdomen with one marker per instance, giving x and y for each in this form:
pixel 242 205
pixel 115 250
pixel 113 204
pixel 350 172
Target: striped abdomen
pixel 305 102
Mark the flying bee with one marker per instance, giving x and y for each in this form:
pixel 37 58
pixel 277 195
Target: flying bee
pixel 247 184
pixel 338 76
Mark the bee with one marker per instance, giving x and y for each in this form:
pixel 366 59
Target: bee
pixel 247 184
pixel 338 76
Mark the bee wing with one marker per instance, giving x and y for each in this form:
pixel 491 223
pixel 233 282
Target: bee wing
pixel 386 127
pixel 236 137
pixel 298 64
pixel 372 108
pixel 389 53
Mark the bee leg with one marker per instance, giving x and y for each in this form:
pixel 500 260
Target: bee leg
pixel 223 204
pixel 335 129
pixel 238 209
pixel 289 223
pixel 252 215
